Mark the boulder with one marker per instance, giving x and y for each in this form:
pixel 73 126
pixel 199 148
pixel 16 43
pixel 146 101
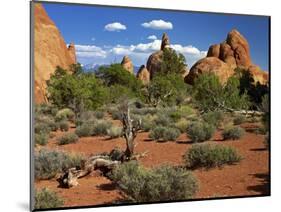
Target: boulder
pixel 50 51
pixel 258 74
pixel 127 64
pixel 240 47
pixel 227 55
pixel 214 51
pixel 209 65
pixel 154 62
pixel 143 75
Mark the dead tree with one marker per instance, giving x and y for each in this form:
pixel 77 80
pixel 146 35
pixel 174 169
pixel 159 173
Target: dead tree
pixel 130 129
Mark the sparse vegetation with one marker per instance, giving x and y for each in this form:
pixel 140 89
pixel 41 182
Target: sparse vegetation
pixel 85 130
pixel 233 133
pixel 200 131
pixel 208 155
pixel 48 163
pixel 239 120
pixel 114 132
pixel 63 125
pixel 67 138
pixel 46 198
pixel 101 127
pixel 161 133
pixel 41 138
pixel 161 184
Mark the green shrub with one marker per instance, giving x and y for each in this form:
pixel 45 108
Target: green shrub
pixel 145 111
pixel 64 126
pixel 101 127
pixel 171 134
pixel 116 115
pixel 115 132
pixel 182 125
pixel 233 133
pixel 164 134
pixel 199 131
pixel 157 133
pixel 213 118
pixel 239 120
pixel 46 198
pixel 165 183
pixel 68 138
pixel 42 128
pixel 162 120
pixel 175 115
pixel 85 117
pixel 65 114
pixel 207 155
pixel 41 138
pixel 116 154
pixel 99 114
pixel 48 163
pixel 85 130
pixel 186 110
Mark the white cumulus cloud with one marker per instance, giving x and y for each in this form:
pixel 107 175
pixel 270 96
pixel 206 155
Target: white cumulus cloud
pixel 116 26
pixel 152 37
pixel 158 24
pixel 90 51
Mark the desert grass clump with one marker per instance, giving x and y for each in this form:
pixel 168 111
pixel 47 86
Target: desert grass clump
pixel 101 127
pixel 46 198
pixel 65 114
pixel 233 133
pixel 182 125
pixel 115 132
pixel 40 127
pixel 208 155
pixel 161 184
pixel 175 116
pixel 161 133
pixel 239 120
pixel 67 138
pixel 163 120
pixel 186 110
pixel 63 125
pixel 48 163
pixel 41 139
pixel 200 131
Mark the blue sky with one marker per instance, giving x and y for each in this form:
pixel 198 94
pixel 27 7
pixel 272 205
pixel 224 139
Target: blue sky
pixel 103 35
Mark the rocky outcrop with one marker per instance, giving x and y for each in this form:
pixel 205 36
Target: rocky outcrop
pixel 143 75
pixel 155 60
pixel 165 42
pixel 233 52
pixel 50 51
pixel 210 65
pixel 127 64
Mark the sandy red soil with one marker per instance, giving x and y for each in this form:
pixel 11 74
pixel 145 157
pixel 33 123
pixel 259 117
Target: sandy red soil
pixel 249 177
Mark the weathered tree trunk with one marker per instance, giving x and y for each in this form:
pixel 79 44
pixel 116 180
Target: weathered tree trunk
pixel 130 129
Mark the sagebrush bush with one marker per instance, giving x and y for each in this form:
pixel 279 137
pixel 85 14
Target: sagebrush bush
pixel 42 128
pixel 116 154
pixel 101 127
pixel 48 163
pixel 233 133
pixel 157 133
pixel 85 117
pixel 161 133
pixel 85 130
pixel 175 115
pixel 208 155
pixel 182 125
pixel 171 134
pixel 186 110
pixel 67 138
pixel 239 120
pixel 200 131
pixel 115 132
pixel 161 184
pixel 65 114
pixel 46 109
pixel 116 114
pixel 41 138
pixel 145 111
pixel 162 120
pixel 63 125
pixel 99 114
pixel 213 118
pixel 46 198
